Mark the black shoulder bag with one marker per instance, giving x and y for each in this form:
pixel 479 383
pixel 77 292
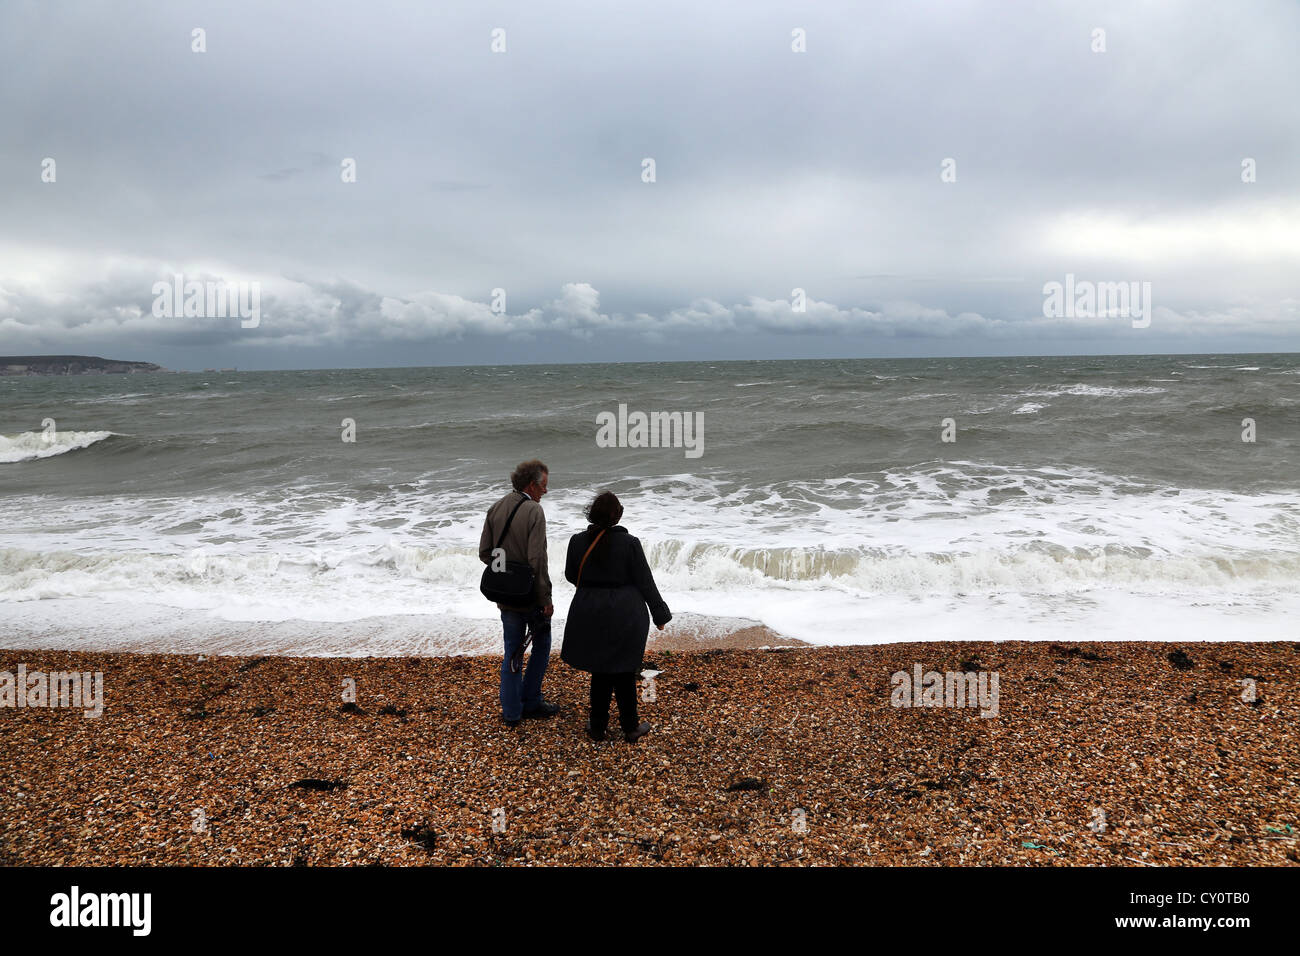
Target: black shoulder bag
pixel 514 585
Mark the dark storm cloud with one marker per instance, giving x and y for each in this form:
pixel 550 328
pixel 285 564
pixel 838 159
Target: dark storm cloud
pixel 522 171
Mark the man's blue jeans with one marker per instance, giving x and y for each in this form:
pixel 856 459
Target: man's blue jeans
pixel 523 691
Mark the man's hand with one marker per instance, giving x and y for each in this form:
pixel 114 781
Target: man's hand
pixel 548 610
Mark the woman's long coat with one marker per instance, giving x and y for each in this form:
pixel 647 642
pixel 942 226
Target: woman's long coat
pixel 606 629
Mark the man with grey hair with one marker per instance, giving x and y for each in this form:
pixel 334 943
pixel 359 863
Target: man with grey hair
pixel 523 539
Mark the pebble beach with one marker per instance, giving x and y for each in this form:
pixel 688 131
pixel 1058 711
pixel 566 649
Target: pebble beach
pixel 1118 754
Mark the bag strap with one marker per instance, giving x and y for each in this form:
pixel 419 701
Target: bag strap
pixel 510 519
pixel 578 581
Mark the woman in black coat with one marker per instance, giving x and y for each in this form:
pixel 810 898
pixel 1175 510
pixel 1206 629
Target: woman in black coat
pixel 606 629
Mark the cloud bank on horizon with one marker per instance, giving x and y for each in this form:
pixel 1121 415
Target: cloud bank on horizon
pixel 467 183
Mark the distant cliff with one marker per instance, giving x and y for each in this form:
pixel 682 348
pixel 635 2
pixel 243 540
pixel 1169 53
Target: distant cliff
pixel 71 365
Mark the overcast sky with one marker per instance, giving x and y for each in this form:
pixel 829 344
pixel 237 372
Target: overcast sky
pixel 522 170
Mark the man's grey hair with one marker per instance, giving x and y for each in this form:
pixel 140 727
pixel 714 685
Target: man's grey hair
pixel 527 472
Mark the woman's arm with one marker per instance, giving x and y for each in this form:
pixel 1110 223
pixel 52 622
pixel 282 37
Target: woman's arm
pixel 571 560
pixel 645 583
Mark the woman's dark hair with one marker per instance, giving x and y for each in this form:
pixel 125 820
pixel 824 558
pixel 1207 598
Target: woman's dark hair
pixel 605 511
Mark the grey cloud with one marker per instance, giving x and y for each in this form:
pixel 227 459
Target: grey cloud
pixel 775 171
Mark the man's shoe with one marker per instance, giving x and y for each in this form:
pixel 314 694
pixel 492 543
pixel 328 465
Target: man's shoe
pixel 510 723
pixel 637 734
pixel 542 711
pixel 592 733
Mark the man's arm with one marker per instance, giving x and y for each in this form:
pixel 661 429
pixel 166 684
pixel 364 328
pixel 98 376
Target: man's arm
pixel 537 556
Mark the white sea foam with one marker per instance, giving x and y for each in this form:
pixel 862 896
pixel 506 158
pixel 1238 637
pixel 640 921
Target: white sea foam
pixel 1029 408
pixel 125 399
pixel 941 549
pixel 1094 391
pixel 29 446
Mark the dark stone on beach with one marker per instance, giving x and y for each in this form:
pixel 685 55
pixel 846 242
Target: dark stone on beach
pixel 747 783
pixel 423 834
pixel 1225 666
pixel 314 783
pixel 691 686
pixel 970 665
pixel 1077 652
pixel 1181 661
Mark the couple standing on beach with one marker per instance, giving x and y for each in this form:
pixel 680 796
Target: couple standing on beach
pixel 605 632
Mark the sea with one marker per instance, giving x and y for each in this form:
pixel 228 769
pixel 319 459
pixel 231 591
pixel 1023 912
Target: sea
pixel 836 501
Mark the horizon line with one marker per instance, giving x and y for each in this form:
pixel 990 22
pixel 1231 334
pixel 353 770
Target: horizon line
pixel 828 358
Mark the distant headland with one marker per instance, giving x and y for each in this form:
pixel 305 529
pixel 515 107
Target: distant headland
pixel 71 365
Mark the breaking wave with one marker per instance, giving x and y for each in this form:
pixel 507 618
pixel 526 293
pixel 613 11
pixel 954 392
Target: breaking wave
pixel 30 446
